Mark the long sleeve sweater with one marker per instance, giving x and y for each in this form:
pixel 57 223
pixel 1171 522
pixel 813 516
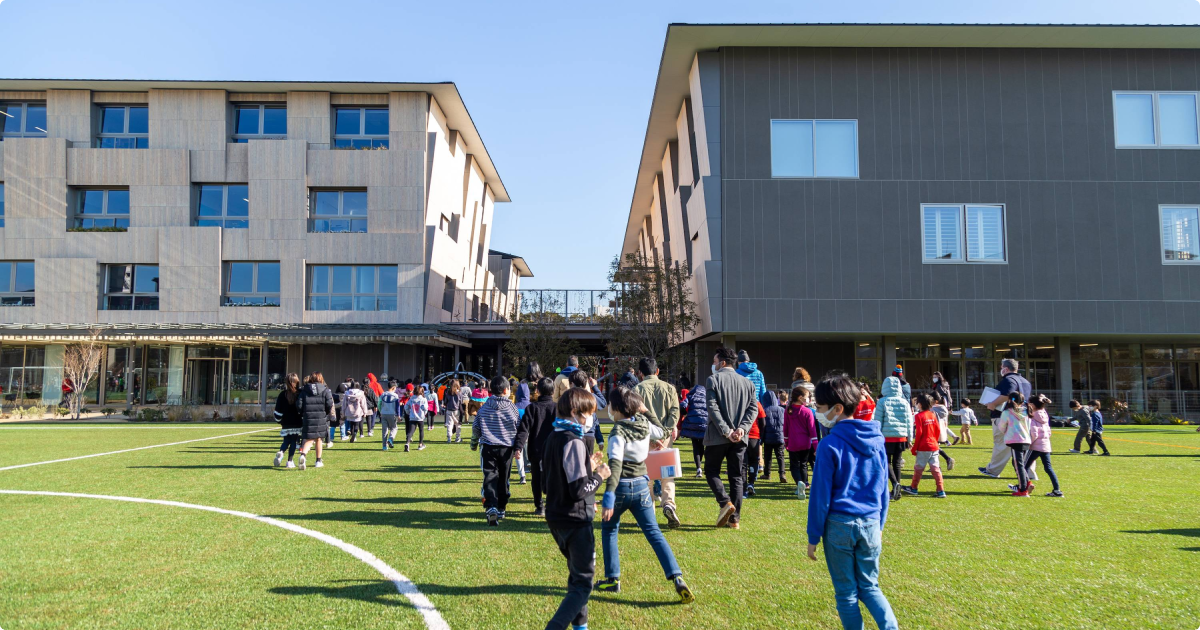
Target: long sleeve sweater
pixel 628 445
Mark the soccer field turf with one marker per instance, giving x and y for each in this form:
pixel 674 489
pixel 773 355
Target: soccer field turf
pixel 1122 550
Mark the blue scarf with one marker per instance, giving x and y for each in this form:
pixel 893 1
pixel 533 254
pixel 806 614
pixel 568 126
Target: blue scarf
pixel 561 424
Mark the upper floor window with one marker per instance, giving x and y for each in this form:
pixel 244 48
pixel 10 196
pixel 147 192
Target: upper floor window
pixel 100 210
pixel 360 128
pixel 259 121
pixel 223 205
pixel 955 233
pixel 23 120
pixel 1 204
pixel 131 288
pixel 814 148
pixel 251 284
pixel 124 127
pixel 352 288
pixel 16 283
pixel 1156 119
pixel 339 211
pixel 1180 234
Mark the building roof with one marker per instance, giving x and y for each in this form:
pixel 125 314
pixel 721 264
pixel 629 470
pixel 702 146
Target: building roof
pixel 446 93
pixel 519 262
pixel 683 41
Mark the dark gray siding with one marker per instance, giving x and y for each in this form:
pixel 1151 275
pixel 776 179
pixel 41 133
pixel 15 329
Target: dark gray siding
pixel 1032 129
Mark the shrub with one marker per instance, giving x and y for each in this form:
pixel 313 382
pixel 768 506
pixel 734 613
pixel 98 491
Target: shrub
pixel 36 412
pixel 1177 421
pixel 108 411
pixel 62 411
pixel 180 413
pixel 150 414
pixel 1143 418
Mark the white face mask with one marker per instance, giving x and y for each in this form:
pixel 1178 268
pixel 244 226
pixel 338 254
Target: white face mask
pixel 714 368
pixel 936 379
pixel 588 421
pixel 828 419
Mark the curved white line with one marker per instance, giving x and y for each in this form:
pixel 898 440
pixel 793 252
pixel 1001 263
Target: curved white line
pixel 433 619
pixel 130 450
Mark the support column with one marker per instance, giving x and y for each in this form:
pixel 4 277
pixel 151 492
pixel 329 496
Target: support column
pixel 499 359
pixel 129 377
pixel 889 355
pixel 729 341
pixel 387 347
pixel 1062 363
pixel 456 359
pixel 262 378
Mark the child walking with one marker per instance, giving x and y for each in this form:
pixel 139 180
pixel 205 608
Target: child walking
pixel 894 415
pixel 1014 423
pixel 967 417
pixel 496 428
pixel 354 409
pixel 1097 436
pixel 772 435
pixel 1080 415
pixel 452 406
pixel 944 434
pixel 315 405
pixel 290 424
pixel 926 432
pixel 389 410
pixel 1039 435
pixel 849 504
pixel 800 437
pixel 417 408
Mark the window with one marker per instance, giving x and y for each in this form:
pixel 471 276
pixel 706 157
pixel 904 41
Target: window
pixel 131 288
pixel 1180 234
pixel 339 211
pixel 251 284
pixel 943 227
pixel 259 121
pixel 102 210
pixel 814 148
pixel 23 120
pixel 351 288
pixel 1156 119
pixel 16 283
pixel 124 127
pixel 223 205
pixel 360 128
pixel 1 204
pixel 448 294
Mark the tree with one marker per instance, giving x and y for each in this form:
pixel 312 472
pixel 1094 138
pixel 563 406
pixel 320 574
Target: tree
pixel 81 363
pixel 653 317
pixel 537 332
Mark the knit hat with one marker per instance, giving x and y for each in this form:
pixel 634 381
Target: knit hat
pixel 743 356
pixel 898 371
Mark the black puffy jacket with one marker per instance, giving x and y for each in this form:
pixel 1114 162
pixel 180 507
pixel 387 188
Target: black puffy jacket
pixel 314 404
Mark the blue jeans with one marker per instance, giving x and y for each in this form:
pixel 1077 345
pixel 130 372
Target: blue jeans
pixel 852 548
pixel 634 495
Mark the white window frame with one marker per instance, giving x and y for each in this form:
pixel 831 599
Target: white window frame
pixel 1162 246
pixel 1157 120
pixel 964 250
pixel 814 121
pixel 262 107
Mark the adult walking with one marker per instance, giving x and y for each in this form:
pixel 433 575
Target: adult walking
pixel 315 405
pixel 695 424
pixel 662 409
pixel 290 425
pixel 561 383
pixel 801 378
pixel 942 387
pixel 732 408
pixel 1010 382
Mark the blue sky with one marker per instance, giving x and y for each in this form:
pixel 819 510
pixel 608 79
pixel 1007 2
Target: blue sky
pixel 560 91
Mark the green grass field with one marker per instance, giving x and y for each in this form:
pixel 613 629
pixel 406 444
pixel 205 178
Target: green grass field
pixel 1122 550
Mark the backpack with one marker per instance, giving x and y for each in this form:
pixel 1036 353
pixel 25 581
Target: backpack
pixel 356 404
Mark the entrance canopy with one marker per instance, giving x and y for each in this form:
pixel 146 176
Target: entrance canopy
pixel 431 335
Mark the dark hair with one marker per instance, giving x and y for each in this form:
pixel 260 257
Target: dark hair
pixel 725 355
pixel 315 377
pixel 1095 404
pixel 291 386
pixel 420 390
pixel 572 361
pixel 545 386
pixel 578 378
pixel 937 397
pixel 575 402
pixel 1074 404
pixel 838 390
pixel 685 381
pixel 796 395
pixel 1039 401
pixel 647 366
pixel 964 402
pixel 1016 398
pixel 624 401
pixel 499 384
pixel 533 372
pixel 355 385
pixel 924 401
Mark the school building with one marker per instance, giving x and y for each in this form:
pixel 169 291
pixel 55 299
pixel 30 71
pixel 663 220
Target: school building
pixel 938 196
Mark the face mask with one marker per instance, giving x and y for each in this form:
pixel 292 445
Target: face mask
pixel 935 379
pixel 714 368
pixel 588 421
pixel 827 419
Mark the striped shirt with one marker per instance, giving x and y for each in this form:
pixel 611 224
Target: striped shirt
pixel 497 420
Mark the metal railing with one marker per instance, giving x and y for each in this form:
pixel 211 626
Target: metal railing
pixel 499 306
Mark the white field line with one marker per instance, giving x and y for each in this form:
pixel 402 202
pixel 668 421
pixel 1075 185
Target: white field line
pixel 404 586
pixel 129 450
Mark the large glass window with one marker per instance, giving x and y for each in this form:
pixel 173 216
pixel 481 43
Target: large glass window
pixel 16 283
pixel 124 127
pixel 814 148
pixel 223 205
pixel 158 376
pixel 1180 234
pixel 352 288
pixel 102 210
pixel 245 375
pixel 22 120
pixel 360 128
pixel 131 288
pixel 1156 119
pixel 251 284
pixel 259 121
pixel 276 370
pixel 339 211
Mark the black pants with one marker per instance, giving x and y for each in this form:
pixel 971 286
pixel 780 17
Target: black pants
pixel 946 457
pixel 290 442
pixel 698 451
pixel 497 466
pixel 370 422
pixel 751 460
pixel 1019 451
pixel 770 450
pixel 413 425
pixel 1045 457
pixel 1097 438
pixel 895 452
pixel 734 456
pixel 798 462
pixel 578 546
pixel 535 473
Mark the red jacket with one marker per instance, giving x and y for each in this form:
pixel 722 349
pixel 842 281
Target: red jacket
pixel 926 432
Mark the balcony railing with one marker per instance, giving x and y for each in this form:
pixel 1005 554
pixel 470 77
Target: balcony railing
pixel 498 306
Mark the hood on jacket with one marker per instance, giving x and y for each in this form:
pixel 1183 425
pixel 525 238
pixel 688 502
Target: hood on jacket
pixel 891 387
pixel 315 388
pixel 861 435
pixel 769 399
pixel 567 370
pixel 747 368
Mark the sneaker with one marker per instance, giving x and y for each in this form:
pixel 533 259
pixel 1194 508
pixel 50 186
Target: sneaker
pixel 406 447
pixel 353 439
pixel 941 494
pixel 420 447
pixel 493 517
pixel 734 525
pixel 370 434
pixel 956 441
pixel 950 464
pixel 1076 451
pixel 1056 493
pixel 539 511
pixel 985 473
pixel 501 514
pixel 521 482
pixel 345 437
pixel 800 490
pixel 672 518
pixel 896 493
pixel 1029 489
pixel 391 443
pixel 319 464
pixel 699 473
pixel 328 444
pixel 685 593
pixel 1013 487
pixel 302 461
pixel 1089 452
pixel 750 491
pixel 278 458
pixel 909 490
pixel 608 585
pixel 783 480
pixel 291 464
pixel 1105 454
pixel 765 476
pixel 725 513
pixel 1020 494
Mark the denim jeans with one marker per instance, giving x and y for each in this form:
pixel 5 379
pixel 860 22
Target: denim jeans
pixel 634 495
pixel 852 548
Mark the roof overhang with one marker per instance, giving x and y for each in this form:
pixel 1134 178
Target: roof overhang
pixel 683 41
pixel 518 262
pixel 446 93
pixel 240 333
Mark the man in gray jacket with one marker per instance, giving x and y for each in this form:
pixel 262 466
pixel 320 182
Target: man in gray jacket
pixel 732 408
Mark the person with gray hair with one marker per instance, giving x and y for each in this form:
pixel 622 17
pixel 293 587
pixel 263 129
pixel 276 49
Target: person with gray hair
pixel 1010 381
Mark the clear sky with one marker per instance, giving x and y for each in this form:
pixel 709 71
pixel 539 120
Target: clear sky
pixel 560 91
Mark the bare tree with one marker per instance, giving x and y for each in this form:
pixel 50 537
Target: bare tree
pixel 653 317
pixel 537 332
pixel 81 363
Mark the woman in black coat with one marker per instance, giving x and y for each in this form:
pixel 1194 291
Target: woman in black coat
pixel 288 417
pixel 314 405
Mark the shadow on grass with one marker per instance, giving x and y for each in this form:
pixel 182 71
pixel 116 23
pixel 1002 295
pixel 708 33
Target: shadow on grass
pixel 1191 533
pixel 384 593
pixel 212 467
pixel 379 592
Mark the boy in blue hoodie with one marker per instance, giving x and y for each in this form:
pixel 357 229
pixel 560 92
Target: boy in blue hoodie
pixel 848 504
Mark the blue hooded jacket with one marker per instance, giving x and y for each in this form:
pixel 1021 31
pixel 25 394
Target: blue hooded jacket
pixel 695 423
pixel 771 427
pixel 892 412
pixel 849 477
pixel 750 371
